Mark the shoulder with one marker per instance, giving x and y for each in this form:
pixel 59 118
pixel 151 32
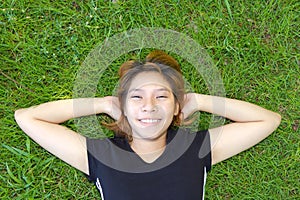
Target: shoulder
pixel 187 137
pixel 107 144
pixel 188 133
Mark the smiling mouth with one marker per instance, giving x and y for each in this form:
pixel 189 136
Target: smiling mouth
pixel 150 121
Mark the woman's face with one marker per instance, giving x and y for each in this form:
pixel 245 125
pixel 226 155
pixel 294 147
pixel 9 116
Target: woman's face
pixel 150 106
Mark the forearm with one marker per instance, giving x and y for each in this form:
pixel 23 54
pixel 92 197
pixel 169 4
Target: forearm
pixel 236 110
pixel 63 110
pixel 42 124
pixel 251 124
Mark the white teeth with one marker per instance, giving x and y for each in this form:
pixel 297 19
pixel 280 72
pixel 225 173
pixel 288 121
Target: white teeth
pixel 149 120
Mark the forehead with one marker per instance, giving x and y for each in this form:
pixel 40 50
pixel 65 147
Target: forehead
pixel 147 79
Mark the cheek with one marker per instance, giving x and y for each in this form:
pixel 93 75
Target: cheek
pixel 171 109
pixel 129 109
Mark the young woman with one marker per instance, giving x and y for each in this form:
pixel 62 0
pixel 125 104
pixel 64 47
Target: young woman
pixel 148 158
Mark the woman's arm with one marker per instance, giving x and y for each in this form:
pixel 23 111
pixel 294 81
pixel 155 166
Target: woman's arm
pixel 41 123
pixel 251 123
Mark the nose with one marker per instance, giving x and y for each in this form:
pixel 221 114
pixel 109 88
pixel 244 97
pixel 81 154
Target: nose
pixel 149 105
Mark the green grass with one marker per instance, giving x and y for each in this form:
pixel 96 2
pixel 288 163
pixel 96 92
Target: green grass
pixel 255 45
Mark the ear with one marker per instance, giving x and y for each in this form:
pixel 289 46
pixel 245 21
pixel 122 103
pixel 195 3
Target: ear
pixel 124 109
pixel 176 110
pixel 125 112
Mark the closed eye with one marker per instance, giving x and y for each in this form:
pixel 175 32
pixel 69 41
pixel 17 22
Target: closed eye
pixel 136 97
pixel 162 97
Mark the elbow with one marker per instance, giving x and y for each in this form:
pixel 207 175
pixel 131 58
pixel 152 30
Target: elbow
pixel 277 119
pixel 19 114
pixel 271 122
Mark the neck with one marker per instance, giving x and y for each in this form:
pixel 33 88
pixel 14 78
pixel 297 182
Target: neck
pixel 148 146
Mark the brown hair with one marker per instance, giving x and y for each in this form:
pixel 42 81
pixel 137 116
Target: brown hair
pixel 156 61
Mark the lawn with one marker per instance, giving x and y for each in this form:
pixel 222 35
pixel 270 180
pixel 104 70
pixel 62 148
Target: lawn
pixel 254 46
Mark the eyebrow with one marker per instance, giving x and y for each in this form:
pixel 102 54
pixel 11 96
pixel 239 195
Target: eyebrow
pixel 141 90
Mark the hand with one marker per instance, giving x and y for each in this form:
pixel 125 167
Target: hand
pixel 190 105
pixel 112 107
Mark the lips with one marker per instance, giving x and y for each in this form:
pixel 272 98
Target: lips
pixel 149 121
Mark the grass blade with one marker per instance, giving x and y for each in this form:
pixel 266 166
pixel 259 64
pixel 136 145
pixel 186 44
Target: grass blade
pixel 228 9
pixel 12 176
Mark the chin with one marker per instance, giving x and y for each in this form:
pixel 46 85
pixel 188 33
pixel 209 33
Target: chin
pixel 149 134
